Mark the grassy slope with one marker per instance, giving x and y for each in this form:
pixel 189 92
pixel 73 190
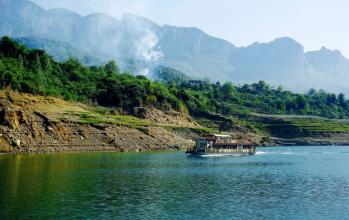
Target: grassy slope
pixel 56 110
pixel 296 126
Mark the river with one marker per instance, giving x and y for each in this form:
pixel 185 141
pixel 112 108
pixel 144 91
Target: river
pixel 276 183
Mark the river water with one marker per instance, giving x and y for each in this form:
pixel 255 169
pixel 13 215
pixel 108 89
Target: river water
pixel 276 183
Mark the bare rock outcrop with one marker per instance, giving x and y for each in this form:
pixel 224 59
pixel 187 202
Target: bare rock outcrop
pixel 10 118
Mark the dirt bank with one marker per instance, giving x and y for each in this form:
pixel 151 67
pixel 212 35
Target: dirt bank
pixel 34 124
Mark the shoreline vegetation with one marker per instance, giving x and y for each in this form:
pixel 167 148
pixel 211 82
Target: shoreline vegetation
pixel 49 106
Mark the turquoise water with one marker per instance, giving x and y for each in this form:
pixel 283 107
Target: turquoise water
pixel 277 183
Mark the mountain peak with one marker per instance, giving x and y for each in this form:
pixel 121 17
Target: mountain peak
pixel 281 42
pixel 323 48
pixel 102 19
pixel 135 19
pixel 62 12
pixel 324 51
pixel 100 16
pixel 286 41
pixel 337 52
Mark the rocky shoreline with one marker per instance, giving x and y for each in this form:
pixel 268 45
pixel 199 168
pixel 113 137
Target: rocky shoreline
pixel 335 140
pixel 36 136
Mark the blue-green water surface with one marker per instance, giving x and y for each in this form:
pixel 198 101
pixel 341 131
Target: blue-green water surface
pixel 277 183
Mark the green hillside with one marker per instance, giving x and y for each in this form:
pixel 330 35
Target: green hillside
pixel 33 71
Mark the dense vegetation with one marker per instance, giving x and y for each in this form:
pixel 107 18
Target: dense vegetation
pixel 227 99
pixel 260 97
pixel 33 71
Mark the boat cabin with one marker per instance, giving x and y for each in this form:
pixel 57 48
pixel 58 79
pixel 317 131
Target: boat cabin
pixel 218 143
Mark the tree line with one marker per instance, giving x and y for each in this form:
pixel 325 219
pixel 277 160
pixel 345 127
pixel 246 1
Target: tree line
pixel 34 71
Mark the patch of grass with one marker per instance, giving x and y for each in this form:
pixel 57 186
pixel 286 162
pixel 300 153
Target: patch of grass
pixel 293 125
pixel 125 120
pixel 198 130
pixel 322 126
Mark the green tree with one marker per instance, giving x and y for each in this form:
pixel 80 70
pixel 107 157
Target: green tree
pixel 111 67
pixel 342 101
pixel 228 90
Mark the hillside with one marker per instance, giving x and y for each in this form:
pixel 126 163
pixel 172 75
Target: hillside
pixel 35 124
pixel 34 71
pixel 167 113
pixel 59 51
pixel 140 44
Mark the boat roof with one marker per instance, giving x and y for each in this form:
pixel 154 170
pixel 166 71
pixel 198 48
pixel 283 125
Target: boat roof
pixel 222 135
pixel 213 136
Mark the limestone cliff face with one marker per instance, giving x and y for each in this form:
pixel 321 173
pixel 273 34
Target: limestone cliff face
pixel 196 53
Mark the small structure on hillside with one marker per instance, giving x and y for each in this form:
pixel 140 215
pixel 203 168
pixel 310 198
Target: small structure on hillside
pixel 196 83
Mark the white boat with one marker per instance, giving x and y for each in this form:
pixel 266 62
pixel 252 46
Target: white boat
pixel 218 144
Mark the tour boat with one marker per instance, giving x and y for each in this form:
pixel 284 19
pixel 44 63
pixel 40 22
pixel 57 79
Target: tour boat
pixel 218 144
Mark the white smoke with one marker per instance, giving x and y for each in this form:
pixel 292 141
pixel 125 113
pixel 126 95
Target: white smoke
pixel 144 71
pixel 148 51
pixel 147 48
pixel 137 45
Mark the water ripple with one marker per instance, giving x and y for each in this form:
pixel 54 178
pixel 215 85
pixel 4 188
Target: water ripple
pixel 277 183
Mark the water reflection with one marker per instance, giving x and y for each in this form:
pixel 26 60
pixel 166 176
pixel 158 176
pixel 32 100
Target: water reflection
pixel 172 186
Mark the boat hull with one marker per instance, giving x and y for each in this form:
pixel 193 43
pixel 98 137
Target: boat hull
pixel 223 152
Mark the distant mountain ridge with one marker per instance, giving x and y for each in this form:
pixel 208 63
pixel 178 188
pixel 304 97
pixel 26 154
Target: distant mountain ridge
pixel 190 50
pixel 60 51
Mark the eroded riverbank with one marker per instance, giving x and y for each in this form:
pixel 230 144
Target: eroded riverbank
pixel 36 124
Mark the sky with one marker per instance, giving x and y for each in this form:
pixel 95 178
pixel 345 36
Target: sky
pixel 313 23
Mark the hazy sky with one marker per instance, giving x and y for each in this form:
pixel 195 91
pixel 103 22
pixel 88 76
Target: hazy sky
pixel 314 23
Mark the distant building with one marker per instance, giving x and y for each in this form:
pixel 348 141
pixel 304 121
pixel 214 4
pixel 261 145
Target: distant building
pixel 196 83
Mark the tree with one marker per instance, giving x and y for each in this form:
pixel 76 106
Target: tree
pixel 331 99
pixel 301 102
pixel 280 89
pixel 312 92
pixel 342 101
pixel 228 90
pixel 111 67
pixel 262 86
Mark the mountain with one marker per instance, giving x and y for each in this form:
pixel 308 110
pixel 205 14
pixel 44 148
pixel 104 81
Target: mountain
pixel 20 17
pixel 328 61
pixel 196 53
pixel 277 60
pixel 140 44
pixel 59 51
